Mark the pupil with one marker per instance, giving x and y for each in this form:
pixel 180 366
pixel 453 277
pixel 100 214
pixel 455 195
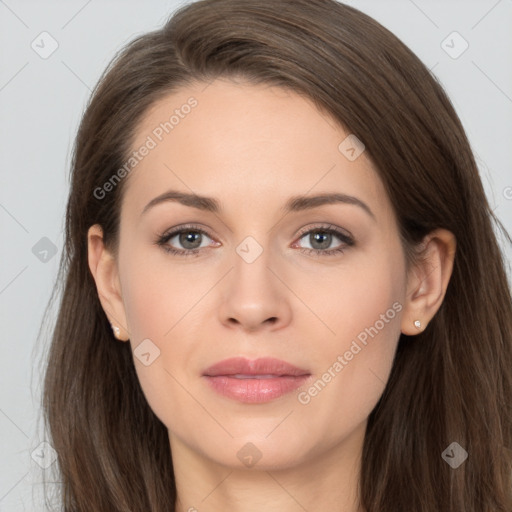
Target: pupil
pixel 190 237
pixel 324 240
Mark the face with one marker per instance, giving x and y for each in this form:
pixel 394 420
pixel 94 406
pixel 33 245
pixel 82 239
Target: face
pixel 318 284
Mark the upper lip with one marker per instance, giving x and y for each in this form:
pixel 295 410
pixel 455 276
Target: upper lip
pixel 262 366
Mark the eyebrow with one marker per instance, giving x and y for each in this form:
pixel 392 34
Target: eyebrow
pixel 294 204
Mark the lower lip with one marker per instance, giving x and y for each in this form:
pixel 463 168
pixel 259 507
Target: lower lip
pixel 255 391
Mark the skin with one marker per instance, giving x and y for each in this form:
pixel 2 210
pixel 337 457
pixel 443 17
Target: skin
pixel 252 147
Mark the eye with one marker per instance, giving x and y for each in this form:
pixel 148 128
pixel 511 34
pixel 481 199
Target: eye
pixel 190 238
pixel 320 240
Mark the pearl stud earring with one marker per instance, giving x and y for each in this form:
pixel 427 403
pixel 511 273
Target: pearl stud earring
pixel 417 324
pixel 117 331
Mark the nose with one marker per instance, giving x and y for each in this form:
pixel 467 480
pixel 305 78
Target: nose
pixel 255 296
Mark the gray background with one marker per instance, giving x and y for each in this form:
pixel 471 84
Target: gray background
pixel 41 101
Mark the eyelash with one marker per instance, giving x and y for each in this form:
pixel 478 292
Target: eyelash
pixel 347 240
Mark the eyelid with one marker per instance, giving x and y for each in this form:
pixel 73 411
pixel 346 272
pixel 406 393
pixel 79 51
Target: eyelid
pixel 186 227
pixel 327 227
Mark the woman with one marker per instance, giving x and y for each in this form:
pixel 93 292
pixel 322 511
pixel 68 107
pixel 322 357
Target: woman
pixel 276 212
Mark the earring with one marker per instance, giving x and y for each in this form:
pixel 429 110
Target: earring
pixel 417 324
pixel 117 331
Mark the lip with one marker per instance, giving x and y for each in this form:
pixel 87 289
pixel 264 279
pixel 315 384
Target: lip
pixel 254 381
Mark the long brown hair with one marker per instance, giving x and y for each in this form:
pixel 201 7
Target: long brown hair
pixel 451 383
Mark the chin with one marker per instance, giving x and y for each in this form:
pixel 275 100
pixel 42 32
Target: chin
pixel 255 452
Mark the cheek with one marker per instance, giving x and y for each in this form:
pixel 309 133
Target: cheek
pixel 362 300
pixel 353 371
pixel 155 295
pixel 356 359
pixel 161 305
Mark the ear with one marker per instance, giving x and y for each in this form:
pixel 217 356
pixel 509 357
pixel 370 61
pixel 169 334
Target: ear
pixel 428 279
pixel 104 270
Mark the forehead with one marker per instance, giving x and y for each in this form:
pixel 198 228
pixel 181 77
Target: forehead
pixel 245 143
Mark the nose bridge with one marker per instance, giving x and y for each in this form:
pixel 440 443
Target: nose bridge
pixel 254 296
pixel 251 265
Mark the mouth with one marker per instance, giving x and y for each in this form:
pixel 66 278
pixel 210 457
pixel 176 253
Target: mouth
pixel 256 381
pixel 238 376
